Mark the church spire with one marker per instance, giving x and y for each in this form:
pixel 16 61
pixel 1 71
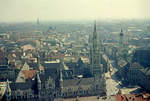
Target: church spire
pixel 121 38
pixel 61 75
pixel 95 39
pixel 38 81
pixel 38 78
pixel 121 32
pixel 95 32
pixel 8 91
pixel 95 54
pixel 95 26
pixel 38 62
pixel 61 79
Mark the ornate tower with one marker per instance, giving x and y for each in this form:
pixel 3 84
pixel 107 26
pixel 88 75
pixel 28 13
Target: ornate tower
pixel 121 35
pixel 61 79
pixel 39 66
pixel 38 63
pixel 95 59
pixel 61 82
pixel 38 84
pixel 96 66
pixel 8 91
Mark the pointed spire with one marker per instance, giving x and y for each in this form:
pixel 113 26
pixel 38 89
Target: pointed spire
pixel 95 26
pixel 38 62
pixel 61 75
pixel 25 66
pixel 121 33
pixel 94 32
pixel 38 83
pixel 8 91
pixel 38 78
pixel 63 65
pixel 8 87
pixel 61 79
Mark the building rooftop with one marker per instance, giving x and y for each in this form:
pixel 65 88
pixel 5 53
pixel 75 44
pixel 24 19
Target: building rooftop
pixel 78 82
pixel 127 97
pixel 88 98
pixel 2 89
pixel 133 97
pixel 29 74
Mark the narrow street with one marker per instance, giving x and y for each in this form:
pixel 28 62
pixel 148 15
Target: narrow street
pixel 111 85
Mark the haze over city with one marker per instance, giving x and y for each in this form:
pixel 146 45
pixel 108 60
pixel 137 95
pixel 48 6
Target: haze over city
pixel 74 50
pixel 48 10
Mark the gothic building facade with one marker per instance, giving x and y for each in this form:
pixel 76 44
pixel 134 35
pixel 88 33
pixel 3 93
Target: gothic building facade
pixel 86 86
pixel 96 66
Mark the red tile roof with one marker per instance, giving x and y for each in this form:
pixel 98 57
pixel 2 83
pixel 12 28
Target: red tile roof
pixel 41 67
pixel 132 97
pixel 29 74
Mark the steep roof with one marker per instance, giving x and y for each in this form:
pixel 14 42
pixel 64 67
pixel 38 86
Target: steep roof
pixel 22 85
pixel 29 74
pixel 52 65
pixel 78 82
pixel 27 47
pixel 131 97
pixel 136 65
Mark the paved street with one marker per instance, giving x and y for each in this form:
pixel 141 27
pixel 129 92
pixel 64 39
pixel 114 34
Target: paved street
pixel 111 85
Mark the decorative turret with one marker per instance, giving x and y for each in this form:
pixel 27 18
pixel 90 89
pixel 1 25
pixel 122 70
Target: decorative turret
pixel 40 67
pixel 38 81
pixel 121 35
pixel 61 79
pixel 38 63
pixel 38 84
pixel 8 91
pixel 63 65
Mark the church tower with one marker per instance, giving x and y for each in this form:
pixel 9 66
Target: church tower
pixel 121 35
pixel 96 68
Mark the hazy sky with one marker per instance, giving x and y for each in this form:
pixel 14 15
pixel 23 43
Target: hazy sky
pixel 30 10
